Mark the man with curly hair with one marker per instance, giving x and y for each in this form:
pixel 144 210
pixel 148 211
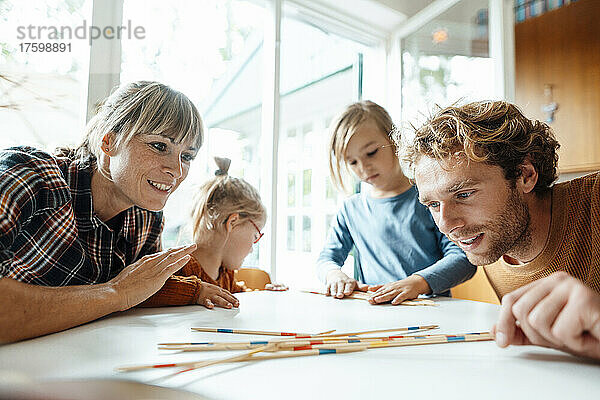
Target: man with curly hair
pixel 486 173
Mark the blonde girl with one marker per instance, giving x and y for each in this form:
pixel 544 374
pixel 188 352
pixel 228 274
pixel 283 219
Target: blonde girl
pixel 227 218
pixel 399 252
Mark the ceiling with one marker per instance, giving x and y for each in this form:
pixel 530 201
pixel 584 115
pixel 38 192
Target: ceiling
pixel 383 14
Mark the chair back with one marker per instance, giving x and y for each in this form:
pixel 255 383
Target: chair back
pixel 253 277
pixel 477 288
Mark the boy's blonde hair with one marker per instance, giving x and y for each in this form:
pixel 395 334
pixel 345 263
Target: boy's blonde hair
pixel 222 196
pixel 135 108
pixel 344 127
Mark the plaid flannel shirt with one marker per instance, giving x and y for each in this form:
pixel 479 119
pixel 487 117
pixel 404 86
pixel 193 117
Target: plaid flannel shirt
pixel 49 233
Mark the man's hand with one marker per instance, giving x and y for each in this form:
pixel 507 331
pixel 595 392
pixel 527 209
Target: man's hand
pixel 339 284
pixel 211 295
pixel 396 292
pixel 558 311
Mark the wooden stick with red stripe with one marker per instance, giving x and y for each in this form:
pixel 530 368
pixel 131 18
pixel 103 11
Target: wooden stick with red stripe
pixel 309 335
pixel 249 332
pixel 194 364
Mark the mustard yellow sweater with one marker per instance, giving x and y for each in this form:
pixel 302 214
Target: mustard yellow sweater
pixel 573 244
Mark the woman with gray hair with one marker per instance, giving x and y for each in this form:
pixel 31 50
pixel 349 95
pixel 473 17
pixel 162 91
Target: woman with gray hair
pixel 80 229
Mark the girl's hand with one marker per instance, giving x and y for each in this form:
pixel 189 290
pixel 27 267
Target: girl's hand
pixel 211 295
pixel 396 292
pixel 276 287
pixel 339 284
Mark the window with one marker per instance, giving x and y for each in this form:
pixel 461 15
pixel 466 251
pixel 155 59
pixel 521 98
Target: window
pixel 308 138
pixel 291 233
pixel 330 192
pixel 447 60
pixel 43 93
pixel 291 190
pixel 319 78
pixel 306 236
pixel 218 65
pixel 306 187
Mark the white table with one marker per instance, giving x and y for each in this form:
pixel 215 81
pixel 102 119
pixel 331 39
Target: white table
pixel 445 371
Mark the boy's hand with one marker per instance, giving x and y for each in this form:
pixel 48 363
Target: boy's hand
pixel 211 295
pixel 396 292
pixel 339 284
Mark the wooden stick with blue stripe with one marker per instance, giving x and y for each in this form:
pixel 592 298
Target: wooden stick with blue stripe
pixel 405 329
pixel 249 332
pixel 308 335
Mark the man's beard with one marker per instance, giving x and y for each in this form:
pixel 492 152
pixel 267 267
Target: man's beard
pixel 508 232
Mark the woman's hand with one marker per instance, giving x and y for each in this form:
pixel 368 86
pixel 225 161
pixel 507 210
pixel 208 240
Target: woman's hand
pixel 339 284
pixel 147 275
pixel 210 295
pixel 396 292
pixel 558 311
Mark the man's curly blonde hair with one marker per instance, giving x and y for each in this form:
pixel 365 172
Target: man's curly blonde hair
pixel 493 132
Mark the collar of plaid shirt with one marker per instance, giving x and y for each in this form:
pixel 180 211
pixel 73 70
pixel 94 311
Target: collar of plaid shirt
pixel 80 184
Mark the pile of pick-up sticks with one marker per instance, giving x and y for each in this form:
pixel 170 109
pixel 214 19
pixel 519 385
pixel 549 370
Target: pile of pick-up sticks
pixel 357 294
pixel 302 344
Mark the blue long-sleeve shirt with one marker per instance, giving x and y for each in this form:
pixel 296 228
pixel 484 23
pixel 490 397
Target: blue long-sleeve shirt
pixel 393 238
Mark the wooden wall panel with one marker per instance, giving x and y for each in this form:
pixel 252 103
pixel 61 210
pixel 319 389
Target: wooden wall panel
pixel 562 48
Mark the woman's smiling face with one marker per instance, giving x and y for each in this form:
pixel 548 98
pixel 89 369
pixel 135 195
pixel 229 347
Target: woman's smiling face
pixel 147 169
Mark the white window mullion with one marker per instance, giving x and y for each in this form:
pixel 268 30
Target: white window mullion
pixel 393 72
pixel 502 47
pixel 105 54
pixel 270 129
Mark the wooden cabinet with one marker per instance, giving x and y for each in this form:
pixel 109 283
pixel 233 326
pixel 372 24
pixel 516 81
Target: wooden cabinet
pixel 562 48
